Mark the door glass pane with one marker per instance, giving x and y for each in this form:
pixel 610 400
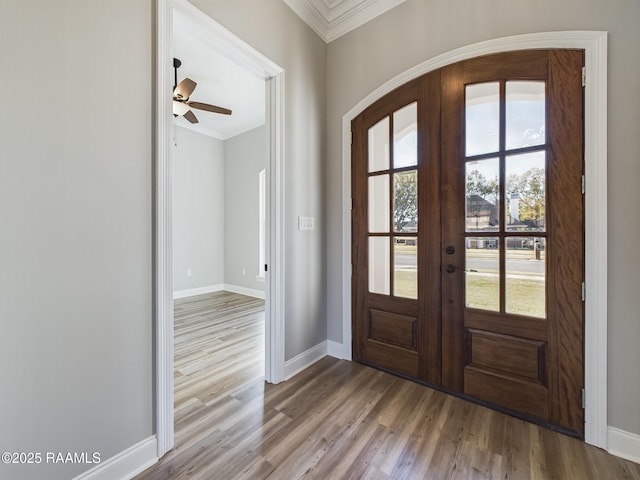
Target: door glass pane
pixel 525 276
pixel 405 136
pixel 482 192
pixel 482 118
pixel 405 201
pixel 379 265
pixel 482 273
pixel 525 202
pixel 379 146
pixel 379 204
pixel 405 265
pixel 525 114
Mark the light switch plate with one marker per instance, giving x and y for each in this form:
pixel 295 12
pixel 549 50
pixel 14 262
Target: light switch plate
pixel 306 223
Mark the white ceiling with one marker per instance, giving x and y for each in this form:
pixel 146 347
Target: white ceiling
pixel 331 19
pixel 220 82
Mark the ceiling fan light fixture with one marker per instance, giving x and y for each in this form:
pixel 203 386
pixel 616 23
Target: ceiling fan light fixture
pixel 180 108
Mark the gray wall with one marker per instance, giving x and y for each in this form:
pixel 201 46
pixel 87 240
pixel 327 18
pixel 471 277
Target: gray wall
pixel 76 200
pixel 417 30
pixel 198 210
pixel 245 156
pixel 75 216
pixel 273 29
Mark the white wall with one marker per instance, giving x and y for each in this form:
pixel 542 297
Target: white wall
pixel 198 210
pixel 244 158
pixel 76 223
pixel 418 30
pixel 273 29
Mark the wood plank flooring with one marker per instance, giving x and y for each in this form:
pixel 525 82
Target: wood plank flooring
pixel 338 419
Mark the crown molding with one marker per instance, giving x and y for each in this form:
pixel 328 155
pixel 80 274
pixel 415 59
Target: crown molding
pixel 331 19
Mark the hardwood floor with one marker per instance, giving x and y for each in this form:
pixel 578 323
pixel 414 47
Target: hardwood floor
pixel 338 419
pixel 219 346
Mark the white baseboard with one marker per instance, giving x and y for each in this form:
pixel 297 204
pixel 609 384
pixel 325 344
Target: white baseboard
pixel 624 444
pixel 249 292
pixel 337 350
pixel 198 291
pixel 304 360
pixel 126 464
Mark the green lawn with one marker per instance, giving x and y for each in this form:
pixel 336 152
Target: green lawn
pixel 524 296
pixel 406 283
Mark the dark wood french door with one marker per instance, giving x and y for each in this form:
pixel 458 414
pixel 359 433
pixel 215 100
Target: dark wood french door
pixel 467 230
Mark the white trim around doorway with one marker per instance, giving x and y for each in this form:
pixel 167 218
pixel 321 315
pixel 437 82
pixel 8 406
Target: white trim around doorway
pixel 250 59
pixel 594 43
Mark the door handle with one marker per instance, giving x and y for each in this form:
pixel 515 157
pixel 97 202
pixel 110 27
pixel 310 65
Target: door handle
pixel 452 268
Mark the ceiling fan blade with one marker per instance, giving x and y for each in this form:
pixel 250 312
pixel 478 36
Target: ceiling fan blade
pixel 209 108
pixel 184 89
pixel 191 117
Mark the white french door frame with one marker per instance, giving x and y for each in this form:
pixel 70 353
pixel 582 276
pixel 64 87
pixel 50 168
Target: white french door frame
pixel 594 44
pixel 247 57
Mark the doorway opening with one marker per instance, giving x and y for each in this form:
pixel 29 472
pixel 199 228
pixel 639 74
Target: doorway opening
pixel 205 29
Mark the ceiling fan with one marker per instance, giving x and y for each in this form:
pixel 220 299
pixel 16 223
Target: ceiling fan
pixel 182 92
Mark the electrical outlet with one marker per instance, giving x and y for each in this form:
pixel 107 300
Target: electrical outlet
pixel 244 272
pixel 188 272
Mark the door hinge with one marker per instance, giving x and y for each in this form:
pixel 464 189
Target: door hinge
pixel 583 184
pixel 584 76
pixel 584 401
pixel 584 292
pixel 266 267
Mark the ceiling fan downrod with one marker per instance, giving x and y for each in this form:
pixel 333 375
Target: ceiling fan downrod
pixel 176 65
